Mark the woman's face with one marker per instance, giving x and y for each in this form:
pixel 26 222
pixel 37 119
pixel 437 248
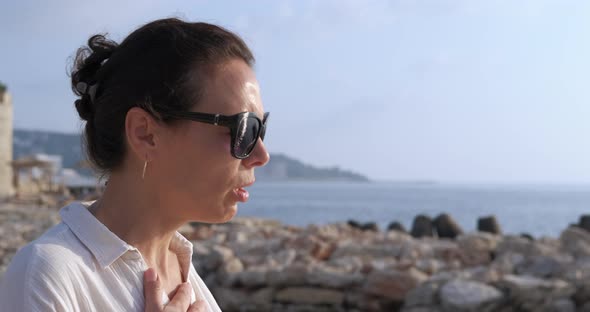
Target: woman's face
pixel 201 180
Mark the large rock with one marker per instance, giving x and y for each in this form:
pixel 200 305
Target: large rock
pixel 532 294
pixel 507 262
pixel 382 264
pixel 582 295
pixel 261 300
pixel 294 275
pixel 229 299
pixel 229 271
pixel 577 273
pixel 370 226
pixel 393 284
pixel 210 259
pixel 576 241
pixel 357 301
pixel 332 278
pixel 445 276
pixel 429 265
pixel 198 231
pixel 416 249
pixel 201 256
pixel 308 295
pixel 447 227
pixel 328 232
pixel 396 226
pixel 254 252
pixel 253 277
pixel 283 258
pixel 422 226
pixel 561 305
pixel 477 248
pixel 395 237
pixel 585 222
pixel 426 294
pixel 308 244
pixel 545 266
pixel 585 307
pixel 527 236
pixel 462 295
pixel 348 248
pixel 354 224
pixel 323 251
pixel 351 264
pixel 446 250
pixel 484 274
pixel 489 224
pixel 528 248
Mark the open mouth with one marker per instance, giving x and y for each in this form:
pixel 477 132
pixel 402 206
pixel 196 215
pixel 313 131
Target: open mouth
pixel 241 194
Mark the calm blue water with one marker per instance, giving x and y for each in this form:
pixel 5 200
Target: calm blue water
pixel 538 210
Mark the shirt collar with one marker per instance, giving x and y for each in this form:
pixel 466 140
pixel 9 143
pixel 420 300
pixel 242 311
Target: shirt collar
pixel 184 251
pixel 102 243
pixel 108 247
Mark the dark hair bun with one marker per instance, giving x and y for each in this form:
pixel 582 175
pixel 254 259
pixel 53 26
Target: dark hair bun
pixel 87 64
pixel 84 109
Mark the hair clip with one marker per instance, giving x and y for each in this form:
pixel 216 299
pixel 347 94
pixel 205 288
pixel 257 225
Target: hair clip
pixel 83 88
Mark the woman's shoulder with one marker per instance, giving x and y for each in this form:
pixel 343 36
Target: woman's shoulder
pixel 41 270
pixel 54 253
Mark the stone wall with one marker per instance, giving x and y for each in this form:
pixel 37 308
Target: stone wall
pixel 6 188
pixel 262 265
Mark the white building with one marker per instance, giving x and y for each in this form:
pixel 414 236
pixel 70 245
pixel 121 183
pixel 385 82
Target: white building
pixel 6 132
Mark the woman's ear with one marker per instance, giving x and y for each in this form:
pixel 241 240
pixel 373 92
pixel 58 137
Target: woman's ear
pixel 141 131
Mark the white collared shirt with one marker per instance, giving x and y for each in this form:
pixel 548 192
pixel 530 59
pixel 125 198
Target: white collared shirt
pixel 80 265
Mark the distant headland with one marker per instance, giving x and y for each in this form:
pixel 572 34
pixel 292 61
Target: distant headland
pixel 69 147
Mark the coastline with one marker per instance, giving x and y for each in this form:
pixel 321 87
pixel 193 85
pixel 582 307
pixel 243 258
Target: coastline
pixel 253 264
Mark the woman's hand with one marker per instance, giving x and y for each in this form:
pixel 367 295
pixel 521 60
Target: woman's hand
pixel 181 302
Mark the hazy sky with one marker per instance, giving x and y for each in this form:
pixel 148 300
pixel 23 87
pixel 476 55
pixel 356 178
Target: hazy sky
pixel 459 91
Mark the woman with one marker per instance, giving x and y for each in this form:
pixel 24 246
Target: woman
pixel 175 121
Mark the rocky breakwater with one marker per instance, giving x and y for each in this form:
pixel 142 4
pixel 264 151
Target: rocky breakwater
pixel 20 225
pixel 262 265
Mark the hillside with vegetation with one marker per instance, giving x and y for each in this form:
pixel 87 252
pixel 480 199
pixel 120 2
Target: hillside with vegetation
pixel 69 146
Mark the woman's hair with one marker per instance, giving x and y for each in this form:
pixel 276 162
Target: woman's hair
pixel 161 67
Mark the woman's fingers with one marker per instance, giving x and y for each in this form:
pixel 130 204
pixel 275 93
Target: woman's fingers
pixel 182 299
pixel 198 306
pixel 152 290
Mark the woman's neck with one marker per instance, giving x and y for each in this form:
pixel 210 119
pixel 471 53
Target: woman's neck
pixel 134 213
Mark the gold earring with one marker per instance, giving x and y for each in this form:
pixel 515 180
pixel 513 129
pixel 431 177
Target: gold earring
pixel 144 168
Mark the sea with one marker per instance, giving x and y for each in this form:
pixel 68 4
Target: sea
pixel 538 210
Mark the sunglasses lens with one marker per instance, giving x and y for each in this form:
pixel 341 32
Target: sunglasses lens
pixel 263 130
pixel 246 136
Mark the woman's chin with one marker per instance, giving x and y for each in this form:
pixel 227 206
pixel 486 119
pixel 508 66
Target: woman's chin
pixel 231 212
pixel 226 214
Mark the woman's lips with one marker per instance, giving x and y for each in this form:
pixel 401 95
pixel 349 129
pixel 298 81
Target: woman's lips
pixel 241 194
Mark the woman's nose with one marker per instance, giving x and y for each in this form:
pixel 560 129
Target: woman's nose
pixel 259 156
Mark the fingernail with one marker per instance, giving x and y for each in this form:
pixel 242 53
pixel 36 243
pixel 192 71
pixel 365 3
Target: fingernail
pixel 150 275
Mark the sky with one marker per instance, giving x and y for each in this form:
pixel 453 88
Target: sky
pixel 454 91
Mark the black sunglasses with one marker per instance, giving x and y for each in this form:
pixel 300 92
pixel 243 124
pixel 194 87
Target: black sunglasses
pixel 245 128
